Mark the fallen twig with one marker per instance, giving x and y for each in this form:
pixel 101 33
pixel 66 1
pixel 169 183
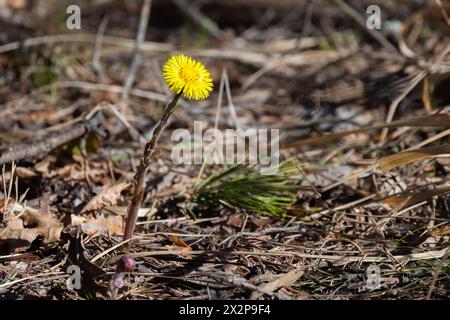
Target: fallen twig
pixel 96 65
pixel 338 259
pixel 243 283
pixel 373 33
pixel 38 149
pixel 195 14
pixel 140 36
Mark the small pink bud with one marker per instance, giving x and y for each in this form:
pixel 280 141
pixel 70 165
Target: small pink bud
pixel 126 264
pixel 118 281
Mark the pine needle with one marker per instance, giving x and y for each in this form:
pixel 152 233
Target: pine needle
pixel 240 186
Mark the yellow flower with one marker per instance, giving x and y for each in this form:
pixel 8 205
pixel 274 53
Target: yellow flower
pixel 185 74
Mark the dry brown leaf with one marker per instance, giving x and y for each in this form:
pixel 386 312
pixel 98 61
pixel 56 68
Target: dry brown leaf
pixel 48 226
pixel 426 95
pixel 16 4
pixel 107 197
pixel 19 235
pixel 432 121
pixel 76 221
pixel 235 220
pixel 120 210
pixel 398 201
pixel 5 208
pixel 73 171
pixel 171 183
pixel 180 246
pixel 23 172
pixel 180 243
pixel 442 231
pixel 284 280
pixel 110 225
pixel 184 247
pixel 398 159
pixel 261 222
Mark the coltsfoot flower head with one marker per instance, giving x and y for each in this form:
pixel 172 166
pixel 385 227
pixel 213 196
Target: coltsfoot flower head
pixel 184 74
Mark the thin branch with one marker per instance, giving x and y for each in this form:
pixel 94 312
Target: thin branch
pixel 39 149
pixel 243 283
pixel 436 274
pixel 230 100
pixel 96 65
pixel 200 19
pixel 378 36
pixel 219 100
pixel 136 59
pixel 443 12
pixel 85 38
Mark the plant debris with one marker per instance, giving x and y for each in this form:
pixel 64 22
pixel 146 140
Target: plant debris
pixel 361 188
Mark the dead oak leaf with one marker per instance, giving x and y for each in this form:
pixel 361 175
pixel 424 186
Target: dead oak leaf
pixel 103 225
pixel 47 225
pixel 69 172
pixel 442 231
pixel 21 231
pixel 180 247
pixel 284 280
pixel 107 197
pixel 235 220
pixel 16 236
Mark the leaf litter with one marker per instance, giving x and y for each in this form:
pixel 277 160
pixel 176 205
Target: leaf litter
pixel 365 125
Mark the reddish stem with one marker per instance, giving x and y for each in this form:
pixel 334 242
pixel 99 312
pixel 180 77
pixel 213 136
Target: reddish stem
pixel 139 178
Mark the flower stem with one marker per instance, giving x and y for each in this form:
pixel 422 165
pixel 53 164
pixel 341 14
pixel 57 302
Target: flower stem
pixel 139 178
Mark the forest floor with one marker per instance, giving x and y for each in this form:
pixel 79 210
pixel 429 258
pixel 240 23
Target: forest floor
pixel 359 208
